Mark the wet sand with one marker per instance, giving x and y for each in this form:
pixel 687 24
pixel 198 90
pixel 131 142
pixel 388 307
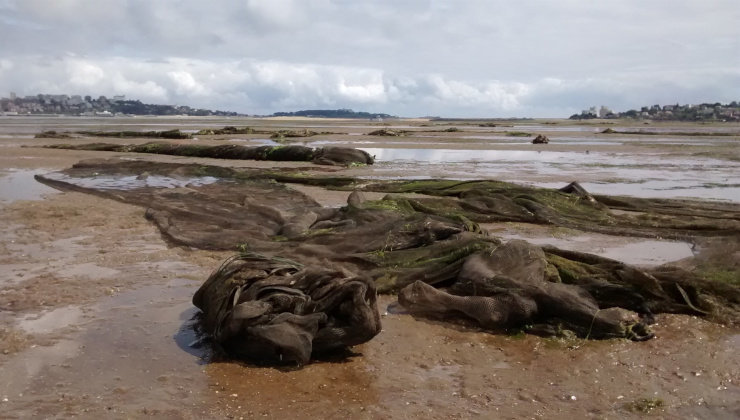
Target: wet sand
pixel 95 320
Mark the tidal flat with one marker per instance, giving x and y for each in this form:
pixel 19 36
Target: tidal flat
pixel 96 312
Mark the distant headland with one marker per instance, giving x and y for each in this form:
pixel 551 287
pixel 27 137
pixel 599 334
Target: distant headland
pixel 119 105
pixel 88 106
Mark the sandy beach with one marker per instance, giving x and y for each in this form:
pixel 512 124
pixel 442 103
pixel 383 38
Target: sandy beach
pixel 95 307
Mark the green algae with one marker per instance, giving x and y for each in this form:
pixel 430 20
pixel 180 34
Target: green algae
pixel 398 205
pixel 721 275
pixel 518 134
pixel 645 405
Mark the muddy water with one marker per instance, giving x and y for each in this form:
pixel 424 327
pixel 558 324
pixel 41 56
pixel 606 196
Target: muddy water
pixel 95 321
pixel 636 251
pixel 19 184
pixel 133 182
pixel 642 175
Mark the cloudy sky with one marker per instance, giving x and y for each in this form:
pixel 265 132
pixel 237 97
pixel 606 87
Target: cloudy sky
pixel 487 58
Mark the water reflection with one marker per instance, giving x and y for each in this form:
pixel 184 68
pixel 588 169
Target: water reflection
pixel 110 182
pixel 20 185
pixel 640 175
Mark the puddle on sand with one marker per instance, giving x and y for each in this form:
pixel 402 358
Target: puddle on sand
pixel 628 250
pixel 590 159
pixel 19 184
pixel 132 182
pixel 51 320
pixel 639 175
pixel 648 252
pixel 256 142
pixel 87 270
pixel 19 372
pixel 660 188
pixel 128 356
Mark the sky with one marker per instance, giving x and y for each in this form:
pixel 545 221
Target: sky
pixel 411 58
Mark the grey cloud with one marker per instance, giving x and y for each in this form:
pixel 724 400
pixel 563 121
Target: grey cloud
pixel 416 57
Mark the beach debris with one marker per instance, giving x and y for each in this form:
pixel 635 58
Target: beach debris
pixel 431 247
pixel 322 156
pixel 167 134
pixel 387 132
pixel 540 139
pixel 509 287
pixel 273 310
pixel 577 189
pixel 51 134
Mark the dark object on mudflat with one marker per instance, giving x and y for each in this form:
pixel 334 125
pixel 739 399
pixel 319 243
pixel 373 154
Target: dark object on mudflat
pixel 51 134
pixel 436 239
pixel 540 139
pixel 510 287
pixel 167 134
pixel 386 132
pixel 577 189
pixel 294 153
pixel 341 156
pixel 230 130
pixel 274 310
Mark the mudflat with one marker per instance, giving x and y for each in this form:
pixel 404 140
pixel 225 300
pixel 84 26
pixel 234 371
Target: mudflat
pixel 96 311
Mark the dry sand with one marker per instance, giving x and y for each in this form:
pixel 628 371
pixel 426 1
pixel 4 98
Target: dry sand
pixel 95 322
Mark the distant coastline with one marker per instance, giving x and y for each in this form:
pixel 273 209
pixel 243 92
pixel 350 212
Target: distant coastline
pixel 335 113
pixel 78 105
pixel 102 107
pixel 677 112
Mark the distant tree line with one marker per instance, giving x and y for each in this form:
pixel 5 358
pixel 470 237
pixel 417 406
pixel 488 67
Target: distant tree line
pixel 333 113
pixel 136 107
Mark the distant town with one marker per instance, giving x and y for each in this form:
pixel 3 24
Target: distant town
pixel 701 112
pixel 88 106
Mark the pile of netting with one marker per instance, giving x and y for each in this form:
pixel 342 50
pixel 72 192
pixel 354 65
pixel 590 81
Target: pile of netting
pixel 272 309
pixel 428 248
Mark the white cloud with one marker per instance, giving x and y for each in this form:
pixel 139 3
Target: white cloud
pixel 185 84
pixel 5 65
pixel 264 87
pixel 475 57
pixel 84 74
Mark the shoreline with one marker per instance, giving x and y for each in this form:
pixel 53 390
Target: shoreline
pixel 100 317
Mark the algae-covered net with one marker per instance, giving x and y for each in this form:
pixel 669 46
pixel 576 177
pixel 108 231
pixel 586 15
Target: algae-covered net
pixel 313 286
pixel 273 309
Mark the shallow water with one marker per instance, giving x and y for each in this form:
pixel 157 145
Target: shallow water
pixel 19 184
pixel 661 188
pixel 131 182
pixel 51 321
pixel 595 159
pixel 256 142
pixel 527 140
pixel 634 251
pixel 661 175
